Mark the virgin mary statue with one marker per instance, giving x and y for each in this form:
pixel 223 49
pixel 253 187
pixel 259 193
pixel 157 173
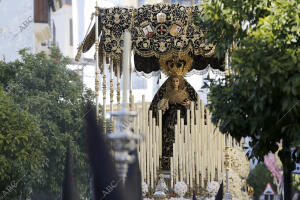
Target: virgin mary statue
pixel 175 94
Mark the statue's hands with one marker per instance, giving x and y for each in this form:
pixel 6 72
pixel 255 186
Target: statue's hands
pixel 186 103
pixel 163 104
pixel 166 101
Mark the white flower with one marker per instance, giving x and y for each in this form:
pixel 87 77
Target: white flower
pixel 212 188
pixel 180 188
pixel 144 188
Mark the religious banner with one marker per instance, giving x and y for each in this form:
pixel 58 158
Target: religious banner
pixel 156 31
pixel 169 28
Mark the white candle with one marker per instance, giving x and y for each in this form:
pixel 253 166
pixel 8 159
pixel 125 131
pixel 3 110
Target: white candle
pixel 125 64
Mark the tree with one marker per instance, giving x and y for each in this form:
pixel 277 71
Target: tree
pixel 21 146
pixel 55 95
pixel 260 97
pixel 296 183
pixel 258 179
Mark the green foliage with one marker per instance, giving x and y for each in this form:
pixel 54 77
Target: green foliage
pixel 232 21
pixel 8 72
pixel 261 97
pixel 44 87
pixel 258 179
pixel 21 146
pixel 296 182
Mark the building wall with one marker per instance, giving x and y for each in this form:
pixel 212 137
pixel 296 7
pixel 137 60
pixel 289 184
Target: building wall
pixel 16 27
pixel 78 7
pixel 62 20
pixel 42 24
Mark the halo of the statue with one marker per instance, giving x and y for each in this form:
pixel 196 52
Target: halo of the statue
pixel 176 64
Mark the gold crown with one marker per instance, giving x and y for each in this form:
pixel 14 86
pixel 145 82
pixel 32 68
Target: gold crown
pixel 174 65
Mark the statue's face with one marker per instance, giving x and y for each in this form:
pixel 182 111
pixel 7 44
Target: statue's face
pixel 175 82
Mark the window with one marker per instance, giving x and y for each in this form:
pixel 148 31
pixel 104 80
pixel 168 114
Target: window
pixel 71 32
pixel 41 11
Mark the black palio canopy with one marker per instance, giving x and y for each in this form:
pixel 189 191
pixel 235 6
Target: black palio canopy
pixel 156 31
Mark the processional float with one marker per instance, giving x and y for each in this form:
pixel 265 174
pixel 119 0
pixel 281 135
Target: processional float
pixel 161 37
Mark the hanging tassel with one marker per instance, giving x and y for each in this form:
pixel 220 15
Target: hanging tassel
pixel 78 55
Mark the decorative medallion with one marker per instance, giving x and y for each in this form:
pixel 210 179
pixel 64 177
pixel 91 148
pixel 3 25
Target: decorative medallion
pixel 148 31
pixel 162 29
pixel 161 17
pixel 175 29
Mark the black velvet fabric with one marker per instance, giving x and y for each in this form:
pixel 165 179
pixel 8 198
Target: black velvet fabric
pixel 169 119
pixel 151 64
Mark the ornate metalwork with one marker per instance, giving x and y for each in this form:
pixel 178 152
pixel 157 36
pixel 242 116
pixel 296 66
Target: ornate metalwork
pixel 227 165
pixel 161 17
pixel 97 63
pixel 104 86
pixel 161 188
pixel 227 162
pixel 123 141
pixel 118 93
pixel 227 196
pixel 97 82
pixel 130 100
pixel 111 90
pixel 173 64
pixel 180 32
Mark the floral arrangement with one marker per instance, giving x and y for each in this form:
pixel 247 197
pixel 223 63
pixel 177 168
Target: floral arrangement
pixel 180 188
pixel 240 163
pixel 209 198
pixel 144 188
pixel 212 188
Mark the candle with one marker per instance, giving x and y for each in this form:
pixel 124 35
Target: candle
pixel 125 63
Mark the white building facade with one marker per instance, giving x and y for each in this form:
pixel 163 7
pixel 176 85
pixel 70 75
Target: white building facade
pixel 16 28
pixel 25 24
pixel 62 28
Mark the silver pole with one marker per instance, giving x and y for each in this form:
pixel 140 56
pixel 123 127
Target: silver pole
pixel 130 82
pixel 118 85
pixel 104 91
pixel 111 85
pixel 227 195
pixel 97 60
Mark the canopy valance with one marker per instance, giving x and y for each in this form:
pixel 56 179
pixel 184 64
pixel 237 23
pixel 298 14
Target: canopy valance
pixel 156 31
